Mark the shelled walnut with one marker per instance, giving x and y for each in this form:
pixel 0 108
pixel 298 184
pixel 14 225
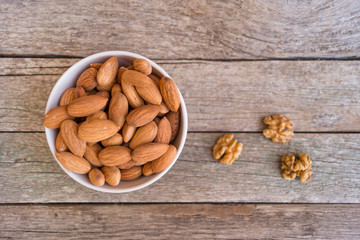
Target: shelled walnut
pixel 227 147
pixel 296 166
pixel 279 129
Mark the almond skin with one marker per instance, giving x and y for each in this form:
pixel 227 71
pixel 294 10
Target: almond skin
pixel 155 79
pixel 120 72
pixel 164 131
pixel 136 78
pixel 131 174
pixel 174 119
pixel 91 154
pixel 128 132
pixel 144 134
pixel 150 93
pixel 104 94
pixel 60 144
pixel 97 130
pixel 165 160
pixel 88 79
pixel 98 115
pixel 112 175
pixel 143 66
pixel 142 115
pixel 118 109
pixel 96 177
pixel 79 91
pixel 115 140
pixel 133 97
pixel 96 65
pixel 55 116
pixel 170 93
pixel 163 110
pixel 86 105
pixel 67 97
pixel 148 152
pixel 69 132
pixel 127 165
pixel 107 73
pixel 115 155
pixel 115 89
pixel 73 163
pixel 147 170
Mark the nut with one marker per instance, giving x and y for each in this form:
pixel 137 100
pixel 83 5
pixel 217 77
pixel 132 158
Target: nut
pixel 112 175
pixel 143 66
pixel 115 140
pixel 97 130
pixel 96 177
pixel 279 129
pixel 55 116
pixel 145 134
pixel 115 155
pixel 170 93
pixel 86 105
pixel 296 166
pixel 87 79
pixel 142 115
pixel 131 173
pixel 107 73
pixel 227 148
pixel 69 132
pixel 73 163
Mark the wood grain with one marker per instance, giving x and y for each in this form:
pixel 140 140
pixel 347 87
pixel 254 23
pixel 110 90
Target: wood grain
pixel 220 96
pixel 180 221
pixel 183 30
pixel 28 172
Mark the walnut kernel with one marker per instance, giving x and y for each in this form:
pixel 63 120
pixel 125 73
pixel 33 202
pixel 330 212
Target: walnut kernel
pixel 279 129
pixel 296 166
pixel 227 147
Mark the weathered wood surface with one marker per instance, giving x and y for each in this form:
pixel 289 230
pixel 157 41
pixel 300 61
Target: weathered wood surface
pixel 180 221
pixel 28 172
pixel 220 96
pixel 183 30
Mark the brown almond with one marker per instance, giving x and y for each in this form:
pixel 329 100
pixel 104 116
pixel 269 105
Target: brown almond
pixel 79 91
pixel 131 174
pixel 144 134
pixel 155 79
pixel 164 131
pixel 86 105
pixel 118 109
pixel 87 79
pixel 97 130
pixel 112 175
pixel 55 116
pixel 115 89
pixel 143 66
pixel 91 154
pixel 174 119
pixel 96 177
pixel 133 97
pixel 120 72
pixel 127 165
pixel 73 163
pixel 107 73
pixel 148 152
pixel 98 115
pixel 96 65
pixel 150 93
pixel 142 115
pixel 60 144
pixel 128 132
pixel 147 169
pixel 115 140
pixel 115 155
pixel 104 94
pixel 69 132
pixel 170 93
pixel 136 78
pixel 163 110
pixel 67 97
pixel 165 160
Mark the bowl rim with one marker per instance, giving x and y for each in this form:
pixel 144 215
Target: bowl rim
pixel 69 72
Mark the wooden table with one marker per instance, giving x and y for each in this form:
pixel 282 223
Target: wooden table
pixel 235 62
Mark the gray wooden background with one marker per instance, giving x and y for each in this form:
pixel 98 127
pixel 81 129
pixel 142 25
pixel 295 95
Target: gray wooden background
pixel 235 62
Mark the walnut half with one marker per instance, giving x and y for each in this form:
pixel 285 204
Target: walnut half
pixel 279 129
pixel 227 147
pixel 296 166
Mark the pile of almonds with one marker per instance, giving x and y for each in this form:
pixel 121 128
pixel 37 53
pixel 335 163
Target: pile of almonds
pixel 117 123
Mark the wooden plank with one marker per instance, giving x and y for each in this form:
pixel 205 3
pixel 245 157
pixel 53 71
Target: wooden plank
pixel 220 96
pixel 183 30
pixel 28 172
pixel 180 221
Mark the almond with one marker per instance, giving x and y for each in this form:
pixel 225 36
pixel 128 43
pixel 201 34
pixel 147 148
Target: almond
pixel 67 97
pixel 147 169
pixel 133 97
pixel 69 132
pixel 148 152
pixel 60 144
pixel 87 79
pixel 86 105
pixel 150 93
pixel 142 115
pixel 127 165
pixel 98 115
pixel 143 66
pixel 112 175
pixel 104 94
pixel 118 109
pixel 165 160
pixel 163 110
pixel 136 78
pixel 120 72
pixel 79 91
pixel 115 155
pixel 115 140
pixel 155 79
pixel 96 65
pixel 164 131
pixel 73 163
pixel 96 177
pixel 144 134
pixel 174 119
pixel 97 130
pixel 107 73
pixel 55 116
pixel 170 93
pixel 128 132
pixel 91 154
pixel 115 89
pixel 131 174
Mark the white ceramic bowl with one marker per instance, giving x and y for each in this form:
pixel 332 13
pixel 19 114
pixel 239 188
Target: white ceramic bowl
pixel 68 79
